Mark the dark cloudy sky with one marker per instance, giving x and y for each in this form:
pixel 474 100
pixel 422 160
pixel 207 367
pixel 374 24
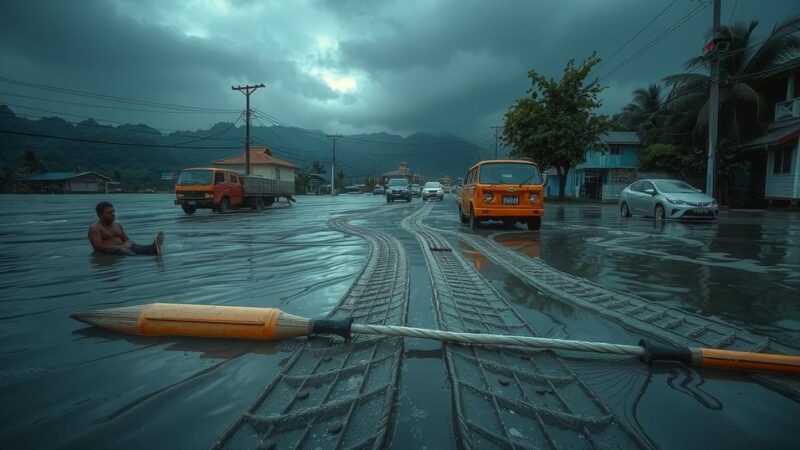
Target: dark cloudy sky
pixel 342 66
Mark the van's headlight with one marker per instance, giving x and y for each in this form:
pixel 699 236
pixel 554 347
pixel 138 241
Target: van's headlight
pixel 488 197
pixel 675 201
pixel 209 195
pixel 180 196
pixel 534 198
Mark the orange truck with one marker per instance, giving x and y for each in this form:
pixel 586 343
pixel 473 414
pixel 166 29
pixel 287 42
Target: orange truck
pixel 224 189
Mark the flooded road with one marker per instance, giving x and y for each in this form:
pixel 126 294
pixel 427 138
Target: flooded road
pixel 66 385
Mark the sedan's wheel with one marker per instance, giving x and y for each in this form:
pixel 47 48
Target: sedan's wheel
pixel 623 210
pixel 659 213
pixel 474 222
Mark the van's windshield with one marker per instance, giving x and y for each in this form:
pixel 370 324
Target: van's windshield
pixel 194 177
pixel 510 173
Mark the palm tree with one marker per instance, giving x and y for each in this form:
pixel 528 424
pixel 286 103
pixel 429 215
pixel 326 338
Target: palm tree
pixel 739 67
pixel 645 113
pixel 742 109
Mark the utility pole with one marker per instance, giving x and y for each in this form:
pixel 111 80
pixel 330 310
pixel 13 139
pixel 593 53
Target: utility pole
pixel 335 137
pixel 713 110
pixel 247 90
pixel 495 140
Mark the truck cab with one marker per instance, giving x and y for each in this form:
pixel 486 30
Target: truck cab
pixel 210 188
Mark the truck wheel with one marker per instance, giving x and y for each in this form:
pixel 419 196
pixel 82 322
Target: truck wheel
pixel 189 209
pixel 534 223
pixel 224 206
pixel 259 203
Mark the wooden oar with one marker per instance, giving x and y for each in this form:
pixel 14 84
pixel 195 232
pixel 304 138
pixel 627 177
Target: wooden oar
pixel 270 324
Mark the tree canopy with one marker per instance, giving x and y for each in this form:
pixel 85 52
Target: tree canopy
pixel 555 123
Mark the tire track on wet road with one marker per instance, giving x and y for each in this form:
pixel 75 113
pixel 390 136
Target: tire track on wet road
pixel 333 394
pixel 506 397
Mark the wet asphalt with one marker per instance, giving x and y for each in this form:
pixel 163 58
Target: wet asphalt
pixel 66 385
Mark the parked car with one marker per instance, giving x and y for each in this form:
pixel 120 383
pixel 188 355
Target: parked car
pixel 508 190
pixel 432 189
pixel 416 190
pixel 378 190
pixel 667 199
pixel 398 188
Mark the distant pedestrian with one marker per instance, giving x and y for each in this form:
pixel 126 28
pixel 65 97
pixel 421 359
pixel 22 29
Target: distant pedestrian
pixel 106 236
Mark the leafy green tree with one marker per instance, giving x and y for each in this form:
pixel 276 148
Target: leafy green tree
pixel 31 163
pixel 670 157
pixel 555 124
pixel 340 176
pixel 316 167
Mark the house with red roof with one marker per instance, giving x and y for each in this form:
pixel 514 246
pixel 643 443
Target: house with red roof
pixel 262 163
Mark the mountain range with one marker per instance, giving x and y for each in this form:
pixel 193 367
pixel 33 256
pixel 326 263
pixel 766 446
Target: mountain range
pixel 136 155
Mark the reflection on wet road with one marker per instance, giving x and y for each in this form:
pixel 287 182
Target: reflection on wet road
pixel 75 386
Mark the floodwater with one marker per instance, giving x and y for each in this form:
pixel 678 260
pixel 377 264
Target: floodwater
pixel 63 384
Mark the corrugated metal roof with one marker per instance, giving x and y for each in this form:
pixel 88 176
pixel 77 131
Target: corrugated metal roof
pixel 258 156
pixel 620 137
pixel 776 134
pixel 60 176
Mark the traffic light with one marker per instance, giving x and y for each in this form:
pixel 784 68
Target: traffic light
pixel 718 44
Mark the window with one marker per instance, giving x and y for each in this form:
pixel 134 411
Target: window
pixel 783 161
pixel 514 173
pixel 234 178
pixel 616 150
pixel 278 173
pixel 647 185
pixel 219 177
pixel 637 187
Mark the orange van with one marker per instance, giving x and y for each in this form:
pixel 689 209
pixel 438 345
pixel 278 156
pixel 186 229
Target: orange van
pixel 509 190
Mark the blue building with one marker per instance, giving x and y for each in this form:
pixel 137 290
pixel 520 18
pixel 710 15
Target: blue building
pixel 610 166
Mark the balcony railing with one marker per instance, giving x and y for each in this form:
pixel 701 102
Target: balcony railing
pixel 788 109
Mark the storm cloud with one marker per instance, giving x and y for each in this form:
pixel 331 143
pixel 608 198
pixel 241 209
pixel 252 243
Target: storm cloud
pixel 445 67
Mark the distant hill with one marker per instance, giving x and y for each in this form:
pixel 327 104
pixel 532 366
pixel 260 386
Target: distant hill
pixel 136 155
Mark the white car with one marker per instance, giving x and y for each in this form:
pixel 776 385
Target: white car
pixel 432 189
pixel 667 199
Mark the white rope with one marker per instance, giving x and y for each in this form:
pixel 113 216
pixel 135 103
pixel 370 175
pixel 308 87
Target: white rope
pixel 496 339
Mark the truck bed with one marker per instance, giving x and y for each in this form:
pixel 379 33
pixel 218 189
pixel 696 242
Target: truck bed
pixel 259 187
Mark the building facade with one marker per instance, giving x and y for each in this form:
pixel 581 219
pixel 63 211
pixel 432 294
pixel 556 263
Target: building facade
pixel 610 166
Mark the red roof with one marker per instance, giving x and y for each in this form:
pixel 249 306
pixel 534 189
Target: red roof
pixel 261 156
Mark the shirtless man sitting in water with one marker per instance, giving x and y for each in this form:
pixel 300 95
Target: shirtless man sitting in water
pixel 109 237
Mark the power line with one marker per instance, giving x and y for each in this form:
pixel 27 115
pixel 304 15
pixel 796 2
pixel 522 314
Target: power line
pixel 655 40
pixel 97 141
pixel 647 25
pixel 113 98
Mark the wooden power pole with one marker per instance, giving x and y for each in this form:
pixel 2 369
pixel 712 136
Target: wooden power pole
pixel 247 90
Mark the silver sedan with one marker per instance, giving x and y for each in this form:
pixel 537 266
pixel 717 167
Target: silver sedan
pixel 432 189
pixel 666 199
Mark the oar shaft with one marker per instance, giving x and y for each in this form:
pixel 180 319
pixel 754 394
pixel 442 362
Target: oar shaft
pixel 746 361
pixel 494 339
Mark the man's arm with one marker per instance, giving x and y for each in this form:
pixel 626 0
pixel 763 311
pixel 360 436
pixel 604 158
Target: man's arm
pixel 126 241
